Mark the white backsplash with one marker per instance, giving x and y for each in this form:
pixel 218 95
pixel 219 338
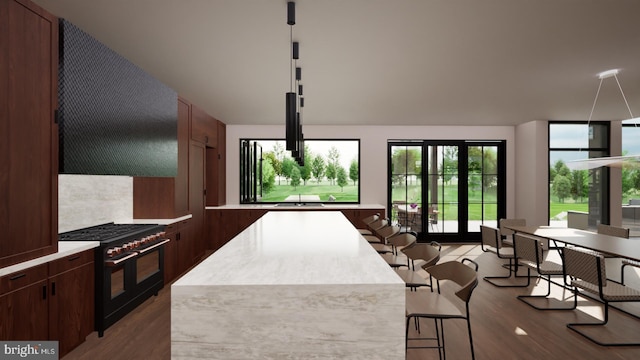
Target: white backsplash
pixel 87 200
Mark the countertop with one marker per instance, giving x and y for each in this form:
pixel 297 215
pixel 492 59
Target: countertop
pixel 294 248
pixel 294 207
pixel 65 248
pixel 153 221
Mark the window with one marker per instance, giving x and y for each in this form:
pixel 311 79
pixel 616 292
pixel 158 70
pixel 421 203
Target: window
pixel 578 198
pixel 631 180
pixel 445 189
pixel 331 172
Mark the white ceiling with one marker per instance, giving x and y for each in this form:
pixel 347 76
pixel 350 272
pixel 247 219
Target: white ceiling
pixel 380 62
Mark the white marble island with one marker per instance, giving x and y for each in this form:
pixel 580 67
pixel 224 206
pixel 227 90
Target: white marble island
pixel 294 285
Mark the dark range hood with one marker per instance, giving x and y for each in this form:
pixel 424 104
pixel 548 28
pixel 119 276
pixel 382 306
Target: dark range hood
pixel 114 118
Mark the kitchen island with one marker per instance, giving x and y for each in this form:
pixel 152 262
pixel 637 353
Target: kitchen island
pixel 293 285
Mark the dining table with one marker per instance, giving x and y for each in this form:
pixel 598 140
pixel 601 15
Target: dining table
pixel 606 244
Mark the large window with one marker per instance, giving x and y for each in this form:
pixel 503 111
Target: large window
pixel 631 180
pixel 330 173
pixel 578 198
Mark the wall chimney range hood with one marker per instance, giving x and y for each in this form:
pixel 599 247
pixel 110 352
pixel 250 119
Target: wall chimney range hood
pixel 114 118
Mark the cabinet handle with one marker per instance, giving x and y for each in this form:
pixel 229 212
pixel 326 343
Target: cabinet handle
pixel 44 292
pixel 177 236
pixel 74 258
pixel 206 139
pixel 17 277
pixel 53 289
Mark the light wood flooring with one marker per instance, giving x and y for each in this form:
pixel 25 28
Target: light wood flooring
pixel 503 327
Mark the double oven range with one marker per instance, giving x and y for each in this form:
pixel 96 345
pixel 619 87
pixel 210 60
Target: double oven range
pixel 129 267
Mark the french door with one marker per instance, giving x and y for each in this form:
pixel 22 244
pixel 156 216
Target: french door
pixel 444 190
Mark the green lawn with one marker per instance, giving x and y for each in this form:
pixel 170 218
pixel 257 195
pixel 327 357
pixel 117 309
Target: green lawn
pixel 556 208
pixel 347 194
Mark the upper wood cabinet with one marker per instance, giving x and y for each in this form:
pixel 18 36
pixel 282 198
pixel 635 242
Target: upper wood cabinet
pixel 204 128
pixel 28 132
pixel 167 197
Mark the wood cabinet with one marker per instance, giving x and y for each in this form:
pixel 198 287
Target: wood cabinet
pixel 224 224
pixel 216 170
pixel 178 251
pixel 355 216
pixel 204 127
pixel 52 301
pixel 71 300
pixel 185 247
pixel 23 305
pixel 166 197
pixel 197 193
pixel 28 132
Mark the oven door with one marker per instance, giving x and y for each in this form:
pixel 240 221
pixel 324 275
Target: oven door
pixel 149 269
pixel 119 281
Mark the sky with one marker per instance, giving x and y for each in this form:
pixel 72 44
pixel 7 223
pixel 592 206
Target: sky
pixel 574 136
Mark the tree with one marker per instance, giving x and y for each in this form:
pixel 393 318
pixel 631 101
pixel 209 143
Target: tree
pixel 561 187
pixel 561 168
pixel 449 163
pixel 305 171
pixel 275 164
pixel 295 177
pixel 268 176
pixel 330 172
pixel 287 166
pixel 353 171
pixel 317 168
pixel 579 184
pixel 278 151
pixel 333 158
pixel 342 178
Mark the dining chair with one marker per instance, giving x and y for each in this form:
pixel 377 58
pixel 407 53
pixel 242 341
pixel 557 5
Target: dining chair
pixel 492 242
pixel 432 217
pixel 530 253
pixel 383 235
pixel 619 232
pixel 613 231
pixel 366 221
pixel 399 242
pixel 374 227
pixel 438 306
pixel 507 234
pixel 423 256
pixel 587 271
pixel 625 263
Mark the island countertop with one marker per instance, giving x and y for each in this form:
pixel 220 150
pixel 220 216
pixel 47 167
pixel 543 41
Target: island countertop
pixel 293 285
pixel 294 248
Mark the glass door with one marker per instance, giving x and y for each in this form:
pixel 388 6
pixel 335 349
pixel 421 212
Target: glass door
pixel 406 185
pixel 443 189
pixel 463 187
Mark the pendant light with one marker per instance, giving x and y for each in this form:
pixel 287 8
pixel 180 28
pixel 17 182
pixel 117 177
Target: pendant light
pixel 612 161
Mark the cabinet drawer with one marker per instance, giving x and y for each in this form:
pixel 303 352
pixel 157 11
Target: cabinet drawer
pixel 70 262
pixel 171 228
pixel 23 278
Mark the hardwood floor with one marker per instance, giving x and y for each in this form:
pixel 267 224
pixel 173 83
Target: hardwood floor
pixel 503 327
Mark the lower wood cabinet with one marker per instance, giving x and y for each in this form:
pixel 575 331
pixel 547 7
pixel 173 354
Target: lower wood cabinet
pixel 179 253
pixel 24 306
pixel 71 300
pixel 53 301
pixel 224 224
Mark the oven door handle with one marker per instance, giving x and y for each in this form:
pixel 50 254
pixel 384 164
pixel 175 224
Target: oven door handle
pixel 112 263
pixel 142 251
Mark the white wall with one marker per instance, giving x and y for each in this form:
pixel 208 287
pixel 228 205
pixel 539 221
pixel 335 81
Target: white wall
pixel 532 172
pixel 373 151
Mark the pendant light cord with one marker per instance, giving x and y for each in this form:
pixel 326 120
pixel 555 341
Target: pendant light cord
pixel 594 102
pixel 624 97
